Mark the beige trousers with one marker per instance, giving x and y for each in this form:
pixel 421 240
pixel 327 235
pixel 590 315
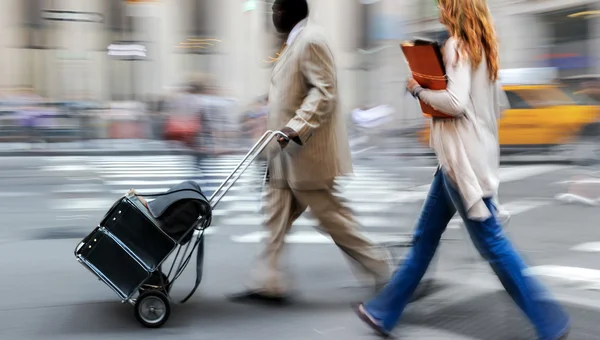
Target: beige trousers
pixel 284 206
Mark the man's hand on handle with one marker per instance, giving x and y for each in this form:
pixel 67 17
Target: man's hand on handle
pixel 292 135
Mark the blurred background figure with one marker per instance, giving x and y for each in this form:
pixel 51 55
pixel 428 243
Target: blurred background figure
pixel 255 118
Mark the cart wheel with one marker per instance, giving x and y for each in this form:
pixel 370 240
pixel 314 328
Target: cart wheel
pixel 152 309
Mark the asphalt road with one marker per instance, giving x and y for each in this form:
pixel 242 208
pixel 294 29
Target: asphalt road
pixel 47 294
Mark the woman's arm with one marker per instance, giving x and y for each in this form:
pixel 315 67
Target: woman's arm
pixel 454 99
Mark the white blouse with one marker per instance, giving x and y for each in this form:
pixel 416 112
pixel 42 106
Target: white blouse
pixel 467 147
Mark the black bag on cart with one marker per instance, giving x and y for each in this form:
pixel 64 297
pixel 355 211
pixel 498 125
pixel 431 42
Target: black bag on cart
pixel 179 208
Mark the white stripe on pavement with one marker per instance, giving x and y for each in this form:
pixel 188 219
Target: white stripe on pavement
pixel 588 278
pixel 66 167
pixel 303 221
pixel 314 237
pixel 512 174
pixel 591 247
pixel 513 208
pixel 89 204
pixel 245 208
pixel 20 194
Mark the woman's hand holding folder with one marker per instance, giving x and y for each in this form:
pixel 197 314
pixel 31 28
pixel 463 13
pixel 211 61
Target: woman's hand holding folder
pixel 426 64
pixel 411 85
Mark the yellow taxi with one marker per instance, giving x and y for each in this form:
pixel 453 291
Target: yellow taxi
pixel 546 117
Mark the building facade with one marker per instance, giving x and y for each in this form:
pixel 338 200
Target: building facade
pixel 60 48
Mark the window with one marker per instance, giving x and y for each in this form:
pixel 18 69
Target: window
pixel 516 102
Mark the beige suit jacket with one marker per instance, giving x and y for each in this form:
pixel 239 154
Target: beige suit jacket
pixel 304 96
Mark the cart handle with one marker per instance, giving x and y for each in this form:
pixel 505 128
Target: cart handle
pixel 254 152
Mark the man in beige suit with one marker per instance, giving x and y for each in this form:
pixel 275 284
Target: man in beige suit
pixel 303 103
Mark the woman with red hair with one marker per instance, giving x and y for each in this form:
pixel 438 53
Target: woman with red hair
pixel 466 181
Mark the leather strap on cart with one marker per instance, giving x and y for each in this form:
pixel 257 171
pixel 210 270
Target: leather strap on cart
pixel 199 266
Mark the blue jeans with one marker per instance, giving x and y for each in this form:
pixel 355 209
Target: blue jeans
pixel 443 201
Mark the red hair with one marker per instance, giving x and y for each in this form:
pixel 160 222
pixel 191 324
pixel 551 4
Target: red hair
pixel 470 23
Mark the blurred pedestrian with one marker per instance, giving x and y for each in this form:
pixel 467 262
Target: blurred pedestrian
pixel 183 123
pixel 303 104
pixel 255 118
pixel 467 179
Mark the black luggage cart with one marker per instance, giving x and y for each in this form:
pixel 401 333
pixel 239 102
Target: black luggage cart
pixel 131 244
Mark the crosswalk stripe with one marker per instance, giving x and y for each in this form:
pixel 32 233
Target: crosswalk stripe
pixel 590 247
pixel 589 278
pixel 314 237
pixel 367 221
pixel 374 195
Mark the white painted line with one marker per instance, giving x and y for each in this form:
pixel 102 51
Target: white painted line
pixel 79 204
pixel 19 194
pixel 315 237
pixel 521 206
pixel 358 140
pixel 241 193
pixel 517 173
pixel 134 167
pixel 592 247
pixel 67 167
pixel 140 191
pixel 211 231
pixel 487 282
pixel 303 221
pixel 512 208
pixel 358 152
pixel 375 195
pixel 244 207
pixel 72 217
pixel 568 274
pixel 240 198
pixel 255 237
pixel 571 198
pixel 138 183
pixel 244 195
pixel 144 190
pixel 159 158
pixel 510 174
pixel 153 175
pixel 65 159
pixel 370 180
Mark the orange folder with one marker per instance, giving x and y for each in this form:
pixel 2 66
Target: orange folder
pixel 426 63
